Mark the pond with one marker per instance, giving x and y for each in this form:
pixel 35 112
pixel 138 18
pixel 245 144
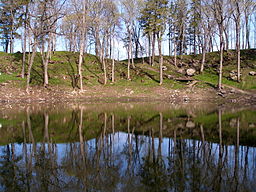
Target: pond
pixel 127 147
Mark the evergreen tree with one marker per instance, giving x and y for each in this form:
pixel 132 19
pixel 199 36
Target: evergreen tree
pixel 10 20
pixel 194 25
pixel 153 21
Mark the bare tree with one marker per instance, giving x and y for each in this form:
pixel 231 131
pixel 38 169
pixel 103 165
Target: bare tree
pixel 249 7
pixel 83 29
pixel 41 25
pixel 237 5
pixel 128 15
pixel 206 26
pixel 221 12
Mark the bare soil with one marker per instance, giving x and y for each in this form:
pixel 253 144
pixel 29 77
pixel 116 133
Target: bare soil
pixel 11 94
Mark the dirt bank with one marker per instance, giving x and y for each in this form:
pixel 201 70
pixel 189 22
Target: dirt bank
pixel 10 94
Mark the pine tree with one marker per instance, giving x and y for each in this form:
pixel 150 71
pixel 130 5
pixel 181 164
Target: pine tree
pixel 153 21
pixel 10 20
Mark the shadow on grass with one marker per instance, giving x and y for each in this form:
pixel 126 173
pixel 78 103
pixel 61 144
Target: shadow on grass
pixel 72 74
pixel 37 77
pixel 89 70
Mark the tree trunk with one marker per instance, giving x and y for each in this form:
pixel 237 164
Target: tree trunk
pixel 31 61
pixel 48 54
pixel 203 53
pixel 238 43
pixel 97 42
pixel 226 39
pixel 81 54
pixel 153 49
pixel 243 38
pixel 6 46
pixel 221 57
pixel 104 70
pixel 81 50
pixel 169 39
pixel 133 66
pixel 24 55
pixel 175 53
pixel 194 41
pixel 24 47
pixel 247 32
pixel 183 42
pixel 149 49
pixel 137 42
pixel 160 59
pixel 113 61
pixel 129 62
pixel 12 30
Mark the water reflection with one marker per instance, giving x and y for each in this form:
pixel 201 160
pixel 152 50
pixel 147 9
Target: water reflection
pixel 120 150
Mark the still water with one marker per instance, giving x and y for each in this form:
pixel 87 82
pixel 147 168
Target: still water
pixel 127 147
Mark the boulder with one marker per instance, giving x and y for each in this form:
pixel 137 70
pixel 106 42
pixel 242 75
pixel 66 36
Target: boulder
pixel 164 68
pixel 181 70
pixel 252 125
pixel 169 76
pixel 190 72
pixel 190 124
pixel 3 84
pixel 233 75
pixel 252 73
pixel 233 123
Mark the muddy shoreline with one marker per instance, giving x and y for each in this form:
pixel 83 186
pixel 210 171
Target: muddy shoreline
pixel 122 94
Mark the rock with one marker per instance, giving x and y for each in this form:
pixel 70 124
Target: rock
pixel 180 64
pixel 221 94
pixel 233 75
pixel 233 123
pixel 251 125
pixel 232 91
pixel 223 91
pixel 123 75
pixel 185 99
pixel 101 80
pixel 181 71
pixel 190 124
pixel 130 91
pixel 3 84
pixel 196 63
pixel 234 78
pixel 190 72
pixel 164 68
pixel 169 77
pixel 252 73
pixel 233 100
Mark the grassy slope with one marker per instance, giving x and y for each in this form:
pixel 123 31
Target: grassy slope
pixel 63 70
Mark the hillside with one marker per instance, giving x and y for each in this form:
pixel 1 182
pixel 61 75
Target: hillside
pixel 63 73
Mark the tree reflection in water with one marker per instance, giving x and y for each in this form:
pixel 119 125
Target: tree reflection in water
pixel 110 158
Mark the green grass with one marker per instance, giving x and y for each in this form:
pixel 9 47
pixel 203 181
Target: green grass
pixel 63 70
pixel 248 82
pixel 8 77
